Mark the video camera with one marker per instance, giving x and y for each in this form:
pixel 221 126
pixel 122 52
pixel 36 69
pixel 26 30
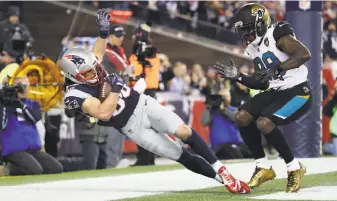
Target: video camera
pixel 20 44
pixel 9 93
pixel 143 50
pixel 214 101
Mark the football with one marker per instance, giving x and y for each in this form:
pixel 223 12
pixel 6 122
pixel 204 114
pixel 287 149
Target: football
pixel 105 90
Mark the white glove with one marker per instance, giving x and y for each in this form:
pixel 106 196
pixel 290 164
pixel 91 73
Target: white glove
pixel 140 85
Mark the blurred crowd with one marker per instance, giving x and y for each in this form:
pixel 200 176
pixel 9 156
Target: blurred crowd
pixel 215 12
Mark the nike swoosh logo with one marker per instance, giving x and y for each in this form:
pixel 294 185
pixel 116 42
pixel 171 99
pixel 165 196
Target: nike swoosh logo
pixel 281 25
pixel 243 192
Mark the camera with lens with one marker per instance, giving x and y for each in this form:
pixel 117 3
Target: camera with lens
pixel 20 43
pixel 214 101
pixel 142 46
pixel 8 94
pixel 143 51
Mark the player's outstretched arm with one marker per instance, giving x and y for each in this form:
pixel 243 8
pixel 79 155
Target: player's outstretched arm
pixel 252 83
pixel 298 53
pixel 103 22
pixel 231 72
pixel 102 111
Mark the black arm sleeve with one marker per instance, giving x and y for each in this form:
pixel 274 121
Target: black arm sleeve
pixel 252 83
pixel 282 29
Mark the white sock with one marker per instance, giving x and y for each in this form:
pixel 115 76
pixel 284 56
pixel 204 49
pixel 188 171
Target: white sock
pixel 217 165
pixel 218 178
pixel 293 165
pixel 263 163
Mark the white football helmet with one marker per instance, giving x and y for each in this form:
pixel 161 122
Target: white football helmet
pixel 77 61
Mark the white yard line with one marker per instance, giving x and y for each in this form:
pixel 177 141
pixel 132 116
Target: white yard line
pixel 143 184
pixel 313 193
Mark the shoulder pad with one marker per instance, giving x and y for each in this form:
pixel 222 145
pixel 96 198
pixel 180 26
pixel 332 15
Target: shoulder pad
pixel 282 29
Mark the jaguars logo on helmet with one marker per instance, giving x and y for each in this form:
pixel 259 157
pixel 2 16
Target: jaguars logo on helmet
pixel 251 21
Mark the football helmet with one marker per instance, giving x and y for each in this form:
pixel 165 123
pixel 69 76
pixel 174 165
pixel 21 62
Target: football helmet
pixel 251 21
pixel 76 62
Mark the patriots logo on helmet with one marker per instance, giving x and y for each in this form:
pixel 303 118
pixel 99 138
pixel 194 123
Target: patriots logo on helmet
pixel 76 60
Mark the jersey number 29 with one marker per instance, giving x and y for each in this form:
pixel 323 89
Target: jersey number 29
pixel 125 93
pixel 269 60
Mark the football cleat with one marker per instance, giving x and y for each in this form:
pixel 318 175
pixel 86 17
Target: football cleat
pixel 233 185
pixel 295 179
pixel 244 187
pixel 260 176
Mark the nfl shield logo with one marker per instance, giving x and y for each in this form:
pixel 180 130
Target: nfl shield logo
pixel 304 4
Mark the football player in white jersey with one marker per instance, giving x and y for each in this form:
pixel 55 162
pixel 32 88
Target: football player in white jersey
pixel 280 70
pixel 136 115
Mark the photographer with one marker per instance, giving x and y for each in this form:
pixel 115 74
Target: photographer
pixel 330 110
pixel 15 36
pixel 146 62
pixel 22 132
pixel 225 138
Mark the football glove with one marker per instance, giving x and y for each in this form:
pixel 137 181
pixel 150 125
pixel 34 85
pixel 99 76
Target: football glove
pixel 225 71
pixel 267 74
pixel 114 80
pixel 103 22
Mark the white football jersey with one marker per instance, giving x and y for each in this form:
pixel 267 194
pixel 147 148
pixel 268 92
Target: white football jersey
pixel 265 54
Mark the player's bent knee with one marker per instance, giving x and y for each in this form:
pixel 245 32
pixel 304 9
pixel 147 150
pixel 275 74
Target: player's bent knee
pixel 265 125
pixel 183 132
pixel 243 118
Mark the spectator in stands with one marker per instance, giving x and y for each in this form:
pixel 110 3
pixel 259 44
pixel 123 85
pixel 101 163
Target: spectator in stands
pixel 214 83
pixel 188 81
pixel 146 65
pixel 114 5
pixel 93 139
pixel 199 80
pixel 166 72
pixel 5 59
pixel 330 110
pixel 15 35
pixel 23 133
pixel 240 93
pixel 178 84
pixel 330 39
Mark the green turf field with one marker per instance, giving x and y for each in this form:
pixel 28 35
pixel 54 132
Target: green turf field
pixel 16 180
pixel 219 194
pixel 209 194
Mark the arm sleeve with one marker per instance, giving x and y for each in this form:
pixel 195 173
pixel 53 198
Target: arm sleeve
pixel 252 83
pixel 73 103
pixel 282 29
pixel 74 99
